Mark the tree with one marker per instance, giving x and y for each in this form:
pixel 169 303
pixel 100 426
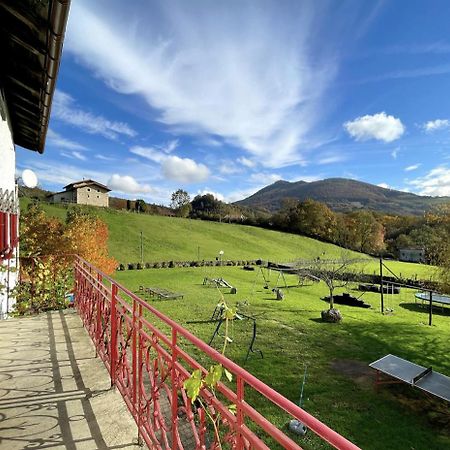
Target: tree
pixel 335 273
pixel 181 203
pixel 87 236
pixel 140 206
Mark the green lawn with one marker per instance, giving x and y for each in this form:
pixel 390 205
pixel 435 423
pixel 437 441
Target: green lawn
pixel 291 336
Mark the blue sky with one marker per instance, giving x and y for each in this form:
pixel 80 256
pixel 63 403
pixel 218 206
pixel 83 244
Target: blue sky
pixel 227 97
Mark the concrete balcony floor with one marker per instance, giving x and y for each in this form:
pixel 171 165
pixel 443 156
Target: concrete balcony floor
pixel 54 393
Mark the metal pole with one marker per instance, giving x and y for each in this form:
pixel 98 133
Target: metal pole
pixel 142 250
pixel 381 285
pixel 430 312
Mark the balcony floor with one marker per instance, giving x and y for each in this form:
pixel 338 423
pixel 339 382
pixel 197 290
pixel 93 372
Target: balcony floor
pixel 54 393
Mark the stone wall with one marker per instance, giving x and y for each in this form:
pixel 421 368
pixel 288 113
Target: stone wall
pixel 92 195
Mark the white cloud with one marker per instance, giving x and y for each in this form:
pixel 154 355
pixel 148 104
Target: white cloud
pixel 217 195
pixel 214 70
pixel 264 178
pixel 436 182
pixel 184 170
pixel 227 167
pixel 395 152
pixel 412 167
pixel 434 125
pixel 246 162
pixel 127 185
pixel 379 126
pixel 384 185
pixel 65 109
pixel 57 140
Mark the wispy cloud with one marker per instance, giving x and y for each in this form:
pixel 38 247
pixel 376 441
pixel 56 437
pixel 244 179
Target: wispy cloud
pixel 56 140
pixel 412 167
pixel 441 69
pixel 74 155
pixel 436 182
pixel 331 158
pixel 395 152
pixel 435 125
pixel 104 158
pixel 438 48
pixel 65 109
pixel 213 69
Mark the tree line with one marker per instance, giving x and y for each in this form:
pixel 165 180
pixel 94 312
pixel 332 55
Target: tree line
pixel 362 230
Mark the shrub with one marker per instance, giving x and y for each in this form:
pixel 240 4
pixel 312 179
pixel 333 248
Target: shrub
pixel 131 266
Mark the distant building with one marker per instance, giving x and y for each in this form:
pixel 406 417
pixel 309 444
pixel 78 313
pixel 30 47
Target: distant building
pixel 85 192
pixel 416 255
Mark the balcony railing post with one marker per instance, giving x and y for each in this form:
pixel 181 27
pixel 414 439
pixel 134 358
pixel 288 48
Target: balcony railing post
pixel 139 374
pixel 134 355
pixel 98 331
pixel 113 322
pixel 239 412
pixel 173 375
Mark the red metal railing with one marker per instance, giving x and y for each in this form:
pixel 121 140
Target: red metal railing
pixel 149 356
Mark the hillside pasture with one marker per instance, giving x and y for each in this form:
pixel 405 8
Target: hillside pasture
pixel 340 385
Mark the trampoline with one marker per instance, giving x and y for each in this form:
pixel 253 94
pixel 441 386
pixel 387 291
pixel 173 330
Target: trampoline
pixel 435 298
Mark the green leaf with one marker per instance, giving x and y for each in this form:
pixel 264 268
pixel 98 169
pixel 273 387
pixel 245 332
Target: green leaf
pixel 232 408
pixel 214 375
pixel 228 374
pixel 193 384
pixel 229 313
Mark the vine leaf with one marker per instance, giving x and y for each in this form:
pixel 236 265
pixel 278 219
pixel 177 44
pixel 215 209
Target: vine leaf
pixel 193 384
pixel 214 375
pixel 228 374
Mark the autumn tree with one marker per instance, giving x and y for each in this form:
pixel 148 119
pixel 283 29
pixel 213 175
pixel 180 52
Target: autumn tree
pixel 87 236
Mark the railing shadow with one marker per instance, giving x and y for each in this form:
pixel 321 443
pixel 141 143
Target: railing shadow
pixel 44 401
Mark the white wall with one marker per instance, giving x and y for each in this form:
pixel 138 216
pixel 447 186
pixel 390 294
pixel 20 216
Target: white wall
pixel 7 181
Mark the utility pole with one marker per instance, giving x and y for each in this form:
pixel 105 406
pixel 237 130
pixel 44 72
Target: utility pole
pixel 142 249
pixel 381 285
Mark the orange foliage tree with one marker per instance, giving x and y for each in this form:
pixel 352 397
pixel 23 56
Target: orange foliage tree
pixel 88 237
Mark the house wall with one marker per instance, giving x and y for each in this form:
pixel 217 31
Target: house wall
pixel 411 255
pixel 92 195
pixel 8 274
pixel 63 197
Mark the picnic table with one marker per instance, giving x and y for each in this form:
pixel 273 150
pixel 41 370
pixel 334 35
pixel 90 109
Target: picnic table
pixel 160 293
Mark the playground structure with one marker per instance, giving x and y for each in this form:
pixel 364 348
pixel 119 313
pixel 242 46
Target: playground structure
pixel 218 316
pixel 219 283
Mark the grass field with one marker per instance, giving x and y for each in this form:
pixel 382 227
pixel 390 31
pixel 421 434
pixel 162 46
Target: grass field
pixel 172 238
pixel 339 388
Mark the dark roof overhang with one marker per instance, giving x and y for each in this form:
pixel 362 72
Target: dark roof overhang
pixel 31 41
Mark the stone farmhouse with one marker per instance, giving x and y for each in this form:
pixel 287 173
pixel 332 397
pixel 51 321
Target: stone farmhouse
pixel 85 192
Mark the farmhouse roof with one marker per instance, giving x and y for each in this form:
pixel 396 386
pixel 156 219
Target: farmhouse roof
pixel 83 183
pixel 31 41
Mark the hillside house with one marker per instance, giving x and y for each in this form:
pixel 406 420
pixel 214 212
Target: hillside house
pixel 84 192
pixel 31 39
pixel 416 255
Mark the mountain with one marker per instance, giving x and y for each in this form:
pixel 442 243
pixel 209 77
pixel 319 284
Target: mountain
pixel 341 194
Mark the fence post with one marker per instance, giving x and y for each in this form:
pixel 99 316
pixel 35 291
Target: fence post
pixel 174 391
pixel 134 355
pixel 430 312
pixel 113 322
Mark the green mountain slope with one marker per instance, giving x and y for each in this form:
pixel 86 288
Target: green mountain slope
pixel 341 194
pixel 172 238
